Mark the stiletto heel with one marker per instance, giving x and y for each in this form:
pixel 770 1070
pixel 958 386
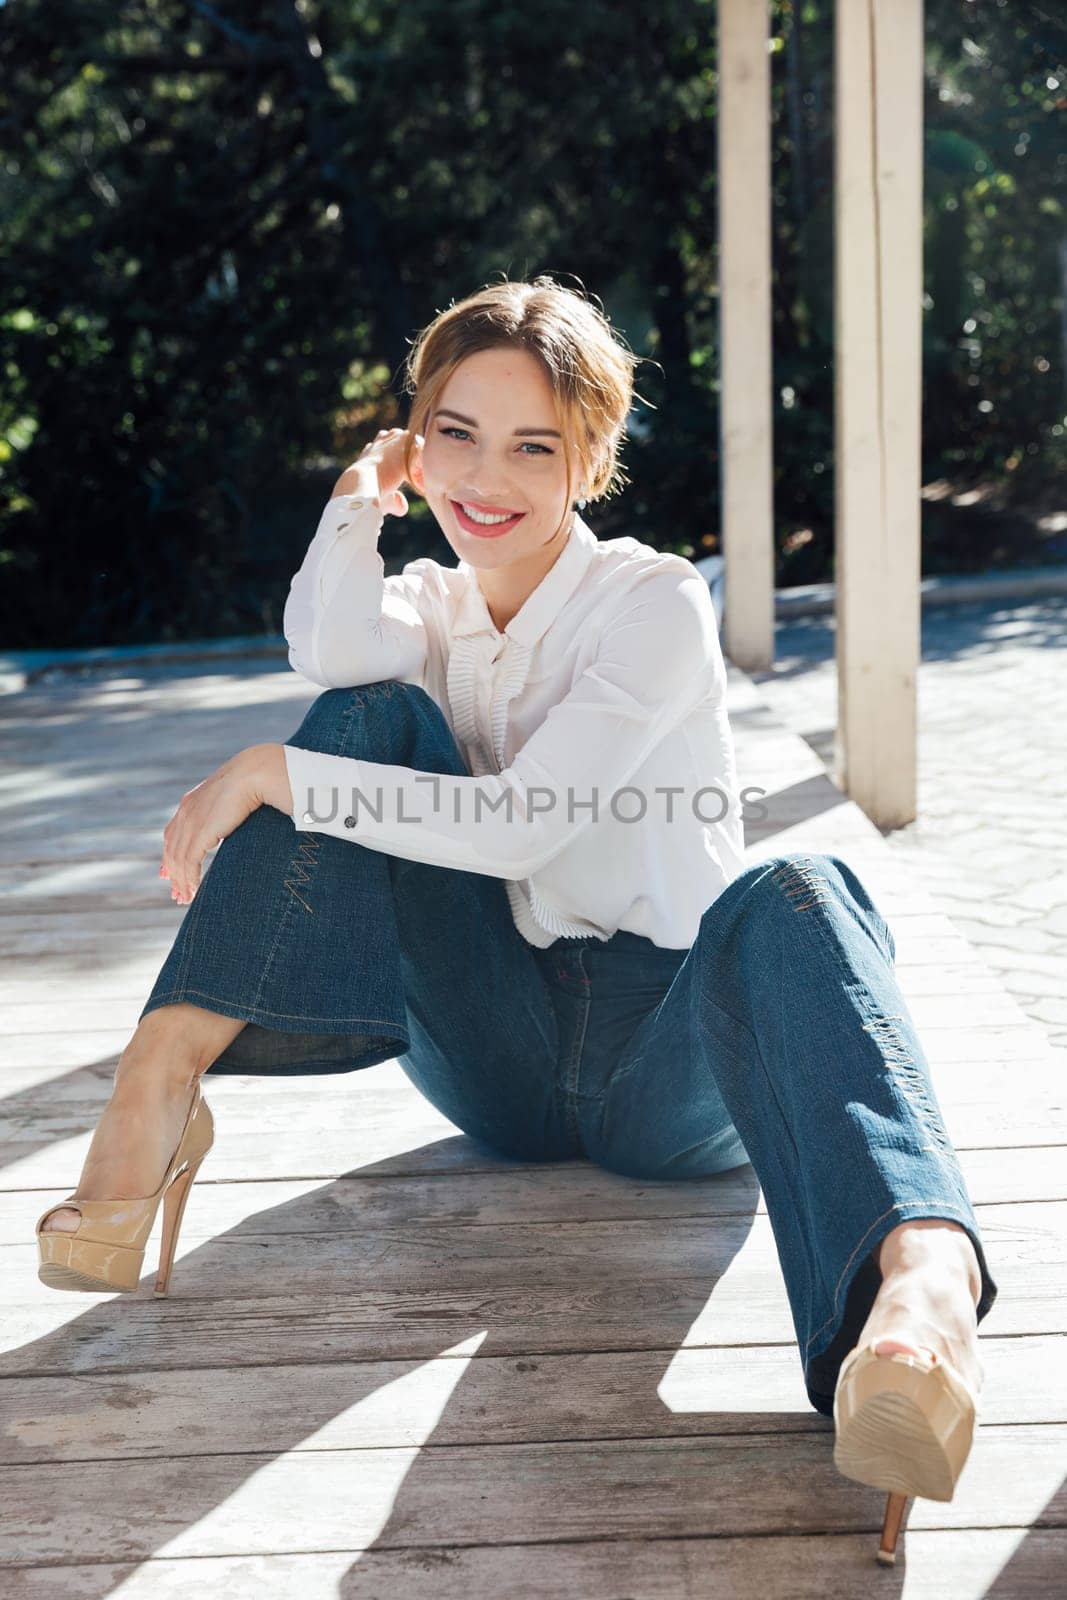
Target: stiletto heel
pixel 894 1515
pixel 106 1250
pixel 173 1211
pixel 904 1423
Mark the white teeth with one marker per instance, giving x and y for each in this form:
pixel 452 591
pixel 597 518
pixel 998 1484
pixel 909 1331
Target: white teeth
pixel 481 516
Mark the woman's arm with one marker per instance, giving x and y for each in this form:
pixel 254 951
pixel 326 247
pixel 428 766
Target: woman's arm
pixel 211 811
pixel 344 622
pixel 658 659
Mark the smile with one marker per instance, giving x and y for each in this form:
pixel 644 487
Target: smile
pixel 482 523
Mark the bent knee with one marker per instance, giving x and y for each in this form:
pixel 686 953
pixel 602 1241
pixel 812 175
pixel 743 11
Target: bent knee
pixel 331 712
pixel 780 875
pixel 344 697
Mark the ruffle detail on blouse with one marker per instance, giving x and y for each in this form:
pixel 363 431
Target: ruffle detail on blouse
pixel 537 921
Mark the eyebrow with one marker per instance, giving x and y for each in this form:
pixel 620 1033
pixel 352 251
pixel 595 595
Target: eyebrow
pixel 519 432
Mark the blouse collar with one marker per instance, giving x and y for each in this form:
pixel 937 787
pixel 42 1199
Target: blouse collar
pixel 543 605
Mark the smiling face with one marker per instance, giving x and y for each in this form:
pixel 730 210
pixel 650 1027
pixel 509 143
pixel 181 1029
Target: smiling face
pixel 493 444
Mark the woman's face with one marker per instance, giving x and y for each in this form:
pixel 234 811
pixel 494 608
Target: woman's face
pixel 492 444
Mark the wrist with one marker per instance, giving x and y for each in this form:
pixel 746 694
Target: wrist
pixel 361 478
pixel 267 776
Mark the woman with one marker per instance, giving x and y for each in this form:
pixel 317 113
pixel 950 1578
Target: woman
pixel 551 925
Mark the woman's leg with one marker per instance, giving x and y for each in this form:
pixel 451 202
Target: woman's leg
pixel 336 956
pixel 302 953
pixel 785 1036
pixel 140 1126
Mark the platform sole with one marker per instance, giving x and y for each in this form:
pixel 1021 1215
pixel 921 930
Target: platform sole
pixel 888 1444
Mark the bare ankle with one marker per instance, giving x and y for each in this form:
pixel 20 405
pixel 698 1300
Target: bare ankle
pixel 920 1241
pixel 175 1078
pixel 179 1041
pixel 173 1067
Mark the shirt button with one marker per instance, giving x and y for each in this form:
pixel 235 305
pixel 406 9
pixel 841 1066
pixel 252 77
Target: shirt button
pixel 355 505
pixel 350 822
pixel 308 816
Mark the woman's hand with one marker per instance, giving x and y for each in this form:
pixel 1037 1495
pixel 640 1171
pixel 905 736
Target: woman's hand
pixel 384 457
pixel 210 812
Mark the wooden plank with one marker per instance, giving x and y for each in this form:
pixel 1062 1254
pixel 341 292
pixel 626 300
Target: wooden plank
pixel 254 1296
pixel 391 1498
pixel 782 1566
pixel 453 1180
pixel 645 1394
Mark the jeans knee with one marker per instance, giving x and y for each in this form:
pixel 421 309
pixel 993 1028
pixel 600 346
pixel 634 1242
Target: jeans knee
pixel 389 720
pixel 343 701
pixel 762 878
pixel 327 723
pixel 330 704
pixel 804 878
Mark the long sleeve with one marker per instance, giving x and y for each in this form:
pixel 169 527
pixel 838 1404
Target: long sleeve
pixel 345 623
pixel 656 659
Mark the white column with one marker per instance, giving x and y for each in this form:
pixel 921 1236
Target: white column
pixel 878 124
pixel 746 411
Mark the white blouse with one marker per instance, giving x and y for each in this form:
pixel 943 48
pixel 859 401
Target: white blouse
pixel 603 783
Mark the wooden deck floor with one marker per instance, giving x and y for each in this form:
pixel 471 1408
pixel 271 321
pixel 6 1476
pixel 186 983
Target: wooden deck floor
pixel 391 1366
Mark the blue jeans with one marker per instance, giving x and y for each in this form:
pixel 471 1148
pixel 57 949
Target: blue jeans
pixel 780 1037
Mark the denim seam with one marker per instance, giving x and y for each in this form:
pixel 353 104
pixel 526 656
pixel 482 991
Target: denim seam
pixel 574 1065
pixel 798 862
pixel 900 1068
pixel 308 841
pixel 290 1016
pixel 780 878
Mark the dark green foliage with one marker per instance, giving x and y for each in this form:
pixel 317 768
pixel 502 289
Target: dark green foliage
pixel 223 223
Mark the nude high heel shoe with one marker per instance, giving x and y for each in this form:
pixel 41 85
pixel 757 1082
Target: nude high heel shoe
pixel 904 1423
pixel 106 1250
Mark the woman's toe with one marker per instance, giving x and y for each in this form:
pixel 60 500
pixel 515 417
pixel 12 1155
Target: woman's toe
pixel 65 1221
pixel 892 1347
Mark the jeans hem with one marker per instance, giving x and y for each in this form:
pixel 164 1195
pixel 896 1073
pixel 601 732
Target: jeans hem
pixel 279 1021
pixel 374 1039
pixel 859 1285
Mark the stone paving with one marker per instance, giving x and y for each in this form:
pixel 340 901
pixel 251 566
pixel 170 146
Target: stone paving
pixel 990 839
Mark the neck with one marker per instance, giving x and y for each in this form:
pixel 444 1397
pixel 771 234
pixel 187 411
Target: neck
pixel 506 589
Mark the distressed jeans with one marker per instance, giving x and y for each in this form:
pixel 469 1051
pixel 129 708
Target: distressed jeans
pixel 779 1038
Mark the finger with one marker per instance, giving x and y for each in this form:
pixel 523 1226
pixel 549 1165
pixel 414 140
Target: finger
pixel 176 871
pixel 192 877
pixel 188 876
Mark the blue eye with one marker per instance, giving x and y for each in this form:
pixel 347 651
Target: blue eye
pixel 543 448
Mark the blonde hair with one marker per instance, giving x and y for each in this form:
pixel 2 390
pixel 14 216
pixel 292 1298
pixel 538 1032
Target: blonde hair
pixel 589 367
